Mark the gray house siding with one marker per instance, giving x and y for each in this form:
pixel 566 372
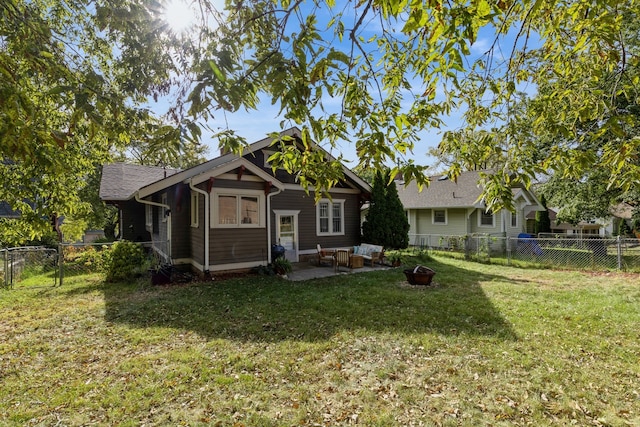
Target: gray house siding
pixel 197 233
pixel 238 246
pixel 179 200
pixel 307 226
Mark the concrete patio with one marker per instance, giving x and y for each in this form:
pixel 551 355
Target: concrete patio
pixel 309 270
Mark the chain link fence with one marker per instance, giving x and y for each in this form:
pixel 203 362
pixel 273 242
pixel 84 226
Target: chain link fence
pixel 587 253
pixel 91 258
pixel 40 266
pixel 28 266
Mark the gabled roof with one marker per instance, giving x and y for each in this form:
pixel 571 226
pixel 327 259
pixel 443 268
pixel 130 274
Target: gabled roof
pixel 443 192
pixel 120 181
pixel 201 173
pixel 295 133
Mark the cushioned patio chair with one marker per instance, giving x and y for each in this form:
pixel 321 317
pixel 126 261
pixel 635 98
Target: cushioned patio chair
pixel 325 256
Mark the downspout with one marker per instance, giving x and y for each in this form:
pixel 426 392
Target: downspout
pixel 161 205
pixel 205 266
pixel 269 223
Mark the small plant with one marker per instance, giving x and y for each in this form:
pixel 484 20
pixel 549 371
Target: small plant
pixel 395 258
pixel 282 265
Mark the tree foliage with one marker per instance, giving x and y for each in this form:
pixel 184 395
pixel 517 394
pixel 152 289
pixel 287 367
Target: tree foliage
pixel 543 222
pixel 386 223
pixel 396 68
pixel 76 74
pixel 74 77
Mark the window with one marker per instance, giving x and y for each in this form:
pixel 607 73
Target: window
pixel 148 211
pixel 330 217
pixel 486 219
pixel 227 210
pixel 195 209
pixel 165 211
pixel 241 210
pixel 249 210
pixel 514 220
pixel 439 216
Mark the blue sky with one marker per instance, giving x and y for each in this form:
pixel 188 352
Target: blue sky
pixel 256 124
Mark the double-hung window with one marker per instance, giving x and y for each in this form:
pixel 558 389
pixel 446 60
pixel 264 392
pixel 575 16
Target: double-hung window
pixel 439 216
pixel 165 211
pixel 514 220
pixel 330 217
pixel 148 210
pixel 486 219
pixel 195 208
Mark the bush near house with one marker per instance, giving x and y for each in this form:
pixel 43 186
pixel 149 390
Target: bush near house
pixel 124 261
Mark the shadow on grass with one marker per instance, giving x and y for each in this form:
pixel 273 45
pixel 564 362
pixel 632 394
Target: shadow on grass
pixel 258 308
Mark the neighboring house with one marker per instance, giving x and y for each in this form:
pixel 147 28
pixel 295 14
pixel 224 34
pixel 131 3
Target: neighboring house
pixel 620 212
pixel 456 208
pixel 594 227
pixel 602 227
pixel 227 213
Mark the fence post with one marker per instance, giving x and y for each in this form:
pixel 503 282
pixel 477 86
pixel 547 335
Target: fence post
pixel 508 249
pixel 619 245
pixel 60 263
pixel 6 268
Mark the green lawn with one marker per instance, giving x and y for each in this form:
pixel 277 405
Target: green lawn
pixel 487 345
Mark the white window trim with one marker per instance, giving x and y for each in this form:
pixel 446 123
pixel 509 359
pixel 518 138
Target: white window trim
pixel 195 209
pixel 148 215
pixel 493 219
pixel 433 217
pixel 238 194
pixel 331 203
pixel 163 200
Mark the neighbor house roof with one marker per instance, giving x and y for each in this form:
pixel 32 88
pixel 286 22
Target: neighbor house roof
pixel 464 192
pixel 622 210
pixel 7 212
pixel 120 181
pixel 443 192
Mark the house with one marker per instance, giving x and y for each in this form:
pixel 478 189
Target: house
pixel 602 227
pixel 565 229
pixel 456 208
pixel 227 213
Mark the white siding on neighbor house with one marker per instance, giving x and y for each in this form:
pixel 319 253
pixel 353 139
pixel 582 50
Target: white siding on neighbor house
pixel 421 222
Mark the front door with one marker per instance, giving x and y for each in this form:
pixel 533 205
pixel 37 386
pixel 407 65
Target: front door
pixel 287 233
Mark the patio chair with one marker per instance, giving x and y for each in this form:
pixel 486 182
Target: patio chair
pixel 324 256
pixel 341 258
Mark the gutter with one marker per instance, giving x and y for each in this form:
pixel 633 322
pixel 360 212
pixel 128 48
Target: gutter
pixel 206 224
pixel 161 205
